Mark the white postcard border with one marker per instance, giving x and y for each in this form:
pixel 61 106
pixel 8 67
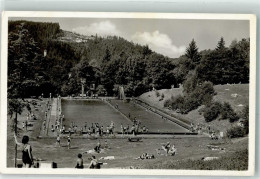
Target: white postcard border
pixel 252 92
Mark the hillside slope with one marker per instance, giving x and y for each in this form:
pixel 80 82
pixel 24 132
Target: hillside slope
pixel 237 95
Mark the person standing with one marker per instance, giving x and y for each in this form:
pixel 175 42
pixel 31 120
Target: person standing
pixel 26 125
pixel 27 157
pixel 69 141
pixel 86 125
pixel 58 140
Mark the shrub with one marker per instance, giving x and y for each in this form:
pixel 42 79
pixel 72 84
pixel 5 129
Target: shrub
pixel 245 116
pixel 189 104
pixel 202 94
pixel 190 83
pixel 157 94
pixel 162 95
pixel 212 112
pixel 177 102
pixel 235 132
pixel 229 113
pixel 167 103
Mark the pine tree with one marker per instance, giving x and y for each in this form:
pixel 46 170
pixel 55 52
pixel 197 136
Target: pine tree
pixel 221 44
pixel 107 56
pixel 192 52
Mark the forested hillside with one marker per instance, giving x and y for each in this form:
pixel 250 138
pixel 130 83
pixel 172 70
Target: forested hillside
pixel 111 61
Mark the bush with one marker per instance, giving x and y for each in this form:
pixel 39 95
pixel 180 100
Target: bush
pixel 189 104
pixel 177 102
pixel 212 112
pixel 245 116
pixel 235 132
pixel 167 102
pixel 162 96
pixel 202 94
pixel 229 113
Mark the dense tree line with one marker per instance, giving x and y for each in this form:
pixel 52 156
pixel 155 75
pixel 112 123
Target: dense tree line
pixel 111 61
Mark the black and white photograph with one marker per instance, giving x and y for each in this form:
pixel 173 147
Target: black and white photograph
pixel 135 93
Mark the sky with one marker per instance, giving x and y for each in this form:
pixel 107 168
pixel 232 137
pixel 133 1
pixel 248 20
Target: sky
pixel 169 37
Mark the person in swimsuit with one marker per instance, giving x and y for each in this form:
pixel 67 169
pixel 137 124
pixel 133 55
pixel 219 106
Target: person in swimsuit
pixel 79 164
pixel 27 157
pixel 94 163
pixel 58 140
pixel 98 147
pixel 167 147
pixel 69 140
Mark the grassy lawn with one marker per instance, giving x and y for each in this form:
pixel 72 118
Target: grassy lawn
pixel 237 95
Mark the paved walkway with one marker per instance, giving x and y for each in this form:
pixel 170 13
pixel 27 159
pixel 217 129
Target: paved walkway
pixel 52 115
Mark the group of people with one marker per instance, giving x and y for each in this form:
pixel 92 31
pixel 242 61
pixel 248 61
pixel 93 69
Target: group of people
pixel 94 129
pixel 58 141
pixel 146 156
pixel 94 164
pixel 30 116
pixel 205 129
pixel 170 150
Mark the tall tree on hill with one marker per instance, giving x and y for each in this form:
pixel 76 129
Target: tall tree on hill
pixel 146 50
pixel 192 52
pixel 107 56
pixel 221 44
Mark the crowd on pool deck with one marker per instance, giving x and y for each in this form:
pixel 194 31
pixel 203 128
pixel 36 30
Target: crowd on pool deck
pixel 97 129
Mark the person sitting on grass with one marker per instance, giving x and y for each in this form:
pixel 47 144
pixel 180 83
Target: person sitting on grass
pixel 94 164
pixel 27 157
pixel 98 147
pixel 106 145
pixel 79 164
pixel 213 136
pixel 145 156
pixel 172 151
pixel 166 147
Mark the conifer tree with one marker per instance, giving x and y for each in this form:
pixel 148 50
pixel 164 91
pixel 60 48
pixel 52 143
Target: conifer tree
pixel 221 44
pixel 192 52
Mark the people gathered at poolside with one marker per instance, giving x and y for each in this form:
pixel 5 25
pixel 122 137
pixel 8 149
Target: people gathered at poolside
pixel 97 129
